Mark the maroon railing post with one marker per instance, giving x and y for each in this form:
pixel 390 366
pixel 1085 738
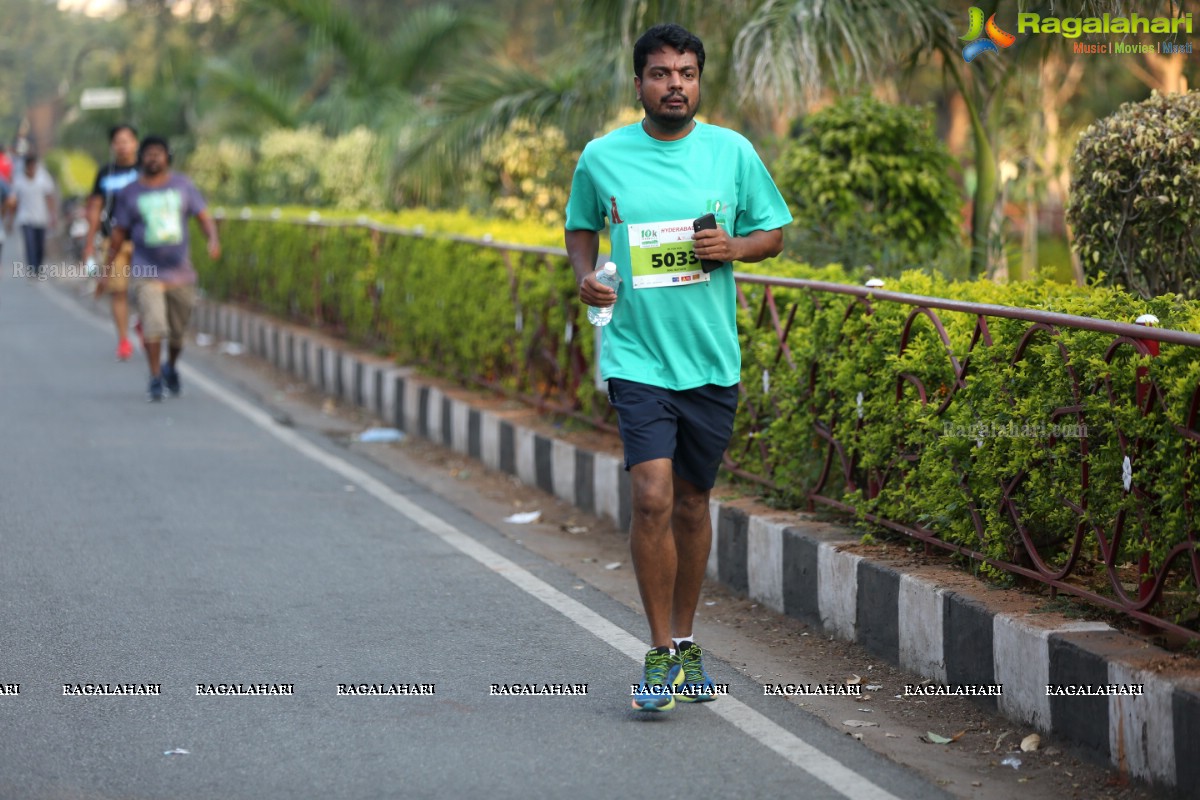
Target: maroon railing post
pixel 1145 580
pixel 872 480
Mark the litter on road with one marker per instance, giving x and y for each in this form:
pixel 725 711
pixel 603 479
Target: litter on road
pixel 523 517
pixel 380 435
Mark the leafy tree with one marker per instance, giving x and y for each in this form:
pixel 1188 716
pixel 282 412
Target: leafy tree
pixel 526 174
pixel 869 184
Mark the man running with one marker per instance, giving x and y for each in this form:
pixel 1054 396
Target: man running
pixel 671 354
pixel 119 172
pixel 153 212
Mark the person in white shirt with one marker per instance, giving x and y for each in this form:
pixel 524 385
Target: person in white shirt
pixel 32 202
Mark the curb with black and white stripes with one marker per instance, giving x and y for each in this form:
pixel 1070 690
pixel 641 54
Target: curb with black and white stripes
pixel 800 569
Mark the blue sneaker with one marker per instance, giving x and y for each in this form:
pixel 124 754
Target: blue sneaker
pixel 655 693
pixel 691 682
pixel 155 392
pixel 170 378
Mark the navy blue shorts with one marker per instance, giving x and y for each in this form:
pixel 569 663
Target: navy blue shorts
pixel 691 427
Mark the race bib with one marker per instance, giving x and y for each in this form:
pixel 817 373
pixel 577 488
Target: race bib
pixel 163 213
pixel 661 254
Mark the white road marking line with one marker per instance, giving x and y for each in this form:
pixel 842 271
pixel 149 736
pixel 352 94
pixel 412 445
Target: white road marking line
pixel 824 768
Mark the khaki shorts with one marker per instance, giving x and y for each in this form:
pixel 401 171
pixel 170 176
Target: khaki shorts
pixel 164 310
pixel 117 273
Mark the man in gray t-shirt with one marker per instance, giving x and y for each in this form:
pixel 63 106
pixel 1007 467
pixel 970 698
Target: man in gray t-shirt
pixel 153 212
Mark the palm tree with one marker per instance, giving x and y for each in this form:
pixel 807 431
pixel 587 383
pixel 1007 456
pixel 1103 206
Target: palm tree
pixel 350 76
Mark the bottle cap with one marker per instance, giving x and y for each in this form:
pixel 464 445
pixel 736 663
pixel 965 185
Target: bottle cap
pixel 610 266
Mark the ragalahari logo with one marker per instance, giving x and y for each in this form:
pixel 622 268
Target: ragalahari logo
pixel 995 41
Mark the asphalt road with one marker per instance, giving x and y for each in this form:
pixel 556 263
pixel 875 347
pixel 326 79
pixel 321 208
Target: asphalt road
pixel 198 542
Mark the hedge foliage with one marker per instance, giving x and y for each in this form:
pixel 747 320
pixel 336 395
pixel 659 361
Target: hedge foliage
pixel 935 467
pixel 452 307
pixel 1135 196
pixel 461 309
pixel 870 183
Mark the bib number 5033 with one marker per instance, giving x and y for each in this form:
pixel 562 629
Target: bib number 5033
pixel 673 259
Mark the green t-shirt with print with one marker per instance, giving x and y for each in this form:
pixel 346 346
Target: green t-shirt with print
pixel 673 325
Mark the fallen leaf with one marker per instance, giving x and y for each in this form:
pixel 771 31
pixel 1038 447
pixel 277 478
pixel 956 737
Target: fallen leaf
pixel 1031 743
pixel 859 723
pixel 958 736
pixel 853 680
pixel 933 738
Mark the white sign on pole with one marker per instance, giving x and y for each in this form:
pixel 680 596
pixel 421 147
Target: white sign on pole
pixel 103 97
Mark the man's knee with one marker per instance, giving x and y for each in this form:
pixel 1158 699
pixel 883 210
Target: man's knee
pixel 691 505
pixel 652 493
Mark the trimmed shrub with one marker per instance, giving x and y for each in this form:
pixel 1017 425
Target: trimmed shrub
pixel 1135 196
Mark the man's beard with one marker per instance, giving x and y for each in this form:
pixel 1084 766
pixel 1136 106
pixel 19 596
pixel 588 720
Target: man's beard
pixel 671 120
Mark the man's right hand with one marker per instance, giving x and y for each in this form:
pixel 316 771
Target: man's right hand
pixel 594 293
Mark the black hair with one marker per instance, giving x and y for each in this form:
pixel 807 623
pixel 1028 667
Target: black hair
pixel 124 126
pixel 153 141
pixel 661 36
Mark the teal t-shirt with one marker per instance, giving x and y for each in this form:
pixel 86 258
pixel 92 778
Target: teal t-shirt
pixel 679 329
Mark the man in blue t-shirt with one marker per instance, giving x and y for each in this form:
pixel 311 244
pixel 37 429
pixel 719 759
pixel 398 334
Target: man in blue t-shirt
pixel 153 212
pixel 671 355
pixel 121 170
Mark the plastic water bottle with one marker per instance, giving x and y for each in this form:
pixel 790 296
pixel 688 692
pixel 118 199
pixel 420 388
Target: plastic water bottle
pixel 609 277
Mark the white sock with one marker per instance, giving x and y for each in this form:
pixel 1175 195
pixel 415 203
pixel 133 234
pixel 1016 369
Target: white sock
pixel 680 639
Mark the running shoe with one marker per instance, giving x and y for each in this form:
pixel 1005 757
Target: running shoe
pixel 170 378
pixel 691 683
pixel 155 392
pixel 124 350
pixel 654 692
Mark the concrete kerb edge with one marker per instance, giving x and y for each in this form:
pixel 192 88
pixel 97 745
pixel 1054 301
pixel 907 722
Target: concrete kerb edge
pixel 900 617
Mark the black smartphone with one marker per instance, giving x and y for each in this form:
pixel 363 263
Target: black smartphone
pixel 706 223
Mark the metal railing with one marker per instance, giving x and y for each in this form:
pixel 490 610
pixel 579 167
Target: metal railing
pixel 1142 338
pixel 553 372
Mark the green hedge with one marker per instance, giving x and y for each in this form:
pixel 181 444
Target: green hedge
pixel 449 305
pixel 461 310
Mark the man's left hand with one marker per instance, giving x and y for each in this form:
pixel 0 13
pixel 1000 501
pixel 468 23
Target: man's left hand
pixel 715 245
